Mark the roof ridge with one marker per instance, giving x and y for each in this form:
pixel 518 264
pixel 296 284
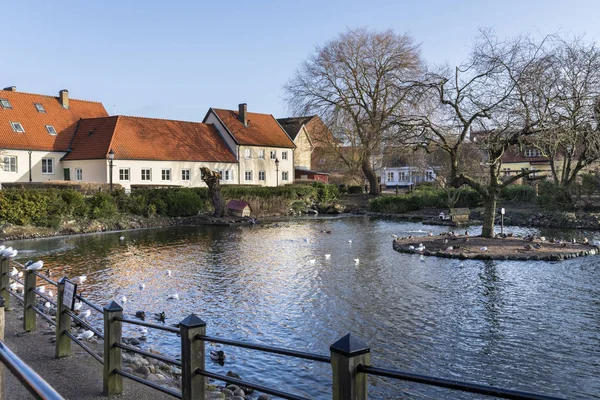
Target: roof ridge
pixel 162 119
pixel 237 111
pixel 48 95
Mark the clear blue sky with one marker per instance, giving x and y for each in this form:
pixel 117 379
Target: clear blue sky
pixel 175 59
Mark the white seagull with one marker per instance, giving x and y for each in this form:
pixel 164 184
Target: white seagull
pixel 85 313
pixel 50 294
pixel 85 335
pixel 312 261
pixel 142 286
pixel 81 279
pixel 123 299
pixel 327 256
pixel 484 248
pixel 173 296
pixel 13 272
pixel 77 306
pixel 10 254
pixel 35 266
pixel 121 238
pixel 168 272
pixel 5 250
pixel 356 261
pixel 349 241
pixel 41 289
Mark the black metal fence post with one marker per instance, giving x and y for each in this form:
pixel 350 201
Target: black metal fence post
pixel 4 279
pixel 192 357
pixel 63 323
pixel 2 380
pixel 112 383
pixel 346 355
pixel 30 298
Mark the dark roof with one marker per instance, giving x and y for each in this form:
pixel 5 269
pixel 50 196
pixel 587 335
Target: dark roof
pixel 262 129
pixel 36 136
pixel 292 125
pixel 237 205
pixel 138 138
pixel 310 171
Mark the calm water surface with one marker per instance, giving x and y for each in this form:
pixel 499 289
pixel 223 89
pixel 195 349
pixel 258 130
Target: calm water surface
pixel 531 326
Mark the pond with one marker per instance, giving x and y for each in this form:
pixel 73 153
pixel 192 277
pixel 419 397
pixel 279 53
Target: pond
pixel 532 326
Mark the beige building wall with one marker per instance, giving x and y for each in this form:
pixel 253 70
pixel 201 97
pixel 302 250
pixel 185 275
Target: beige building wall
pixel 18 168
pixel 254 164
pixel 303 152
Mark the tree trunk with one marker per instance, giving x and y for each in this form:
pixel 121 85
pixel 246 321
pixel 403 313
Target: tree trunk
pixel 371 177
pixel 213 181
pixel 489 215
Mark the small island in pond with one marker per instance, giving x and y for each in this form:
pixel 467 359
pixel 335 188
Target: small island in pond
pixel 465 247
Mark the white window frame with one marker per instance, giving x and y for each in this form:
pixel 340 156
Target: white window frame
pixel 226 175
pixel 263 174
pixel 124 174
pixel 168 174
pixel 401 176
pixel 39 107
pixel 48 165
pixel 248 154
pixel 5 103
pixel 533 153
pixel 284 176
pixel 390 176
pixel 8 162
pixel 429 176
pixel 248 176
pixel 51 130
pixel 261 154
pixel 78 174
pixel 149 177
pixel 17 127
pixel 186 175
pixel 273 154
pixel 284 155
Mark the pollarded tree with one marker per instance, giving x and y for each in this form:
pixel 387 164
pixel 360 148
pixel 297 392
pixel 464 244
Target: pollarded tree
pixel 359 83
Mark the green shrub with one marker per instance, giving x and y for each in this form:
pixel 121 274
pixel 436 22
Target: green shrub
pixel 554 197
pixel 326 193
pixel 75 204
pixel 518 193
pixel 419 199
pixel 102 206
pixel 353 189
pixel 343 188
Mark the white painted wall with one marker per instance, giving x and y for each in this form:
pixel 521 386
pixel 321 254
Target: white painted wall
pixel 256 164
pixel 22 172
pixel 99 170
pixel 406 175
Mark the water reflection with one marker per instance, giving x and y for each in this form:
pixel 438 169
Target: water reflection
pixel 524 325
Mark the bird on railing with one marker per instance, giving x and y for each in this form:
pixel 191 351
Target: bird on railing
pixel 34 266
pixel 4 250
pixel 173 296
pixel 217 355
pixel 10 254
pixel 85 335
pixel 2 247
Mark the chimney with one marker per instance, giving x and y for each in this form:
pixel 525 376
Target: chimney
pixel 243 110
pixel 11 88
pixel 64 98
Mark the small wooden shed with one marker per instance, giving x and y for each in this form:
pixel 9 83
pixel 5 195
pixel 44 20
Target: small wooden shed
pixel 459 215
pixel 238 208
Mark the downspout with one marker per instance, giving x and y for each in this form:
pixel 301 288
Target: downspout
pixel 30 178
pixel 239 166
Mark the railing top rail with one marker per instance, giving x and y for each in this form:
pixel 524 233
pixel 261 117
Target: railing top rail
pixel 41 276
pixel 34 383
pixel 165 328
pixel 153 385
pixel 267 349
pixel 160 357
pixel 89 303
pixel 254 386
pixel 455 385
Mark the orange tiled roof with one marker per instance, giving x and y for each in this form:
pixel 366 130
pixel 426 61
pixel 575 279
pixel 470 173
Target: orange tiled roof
pixel 262 129
pixel 36 136
pixel 138 138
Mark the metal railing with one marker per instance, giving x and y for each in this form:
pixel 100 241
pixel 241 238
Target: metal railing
pixel 349 357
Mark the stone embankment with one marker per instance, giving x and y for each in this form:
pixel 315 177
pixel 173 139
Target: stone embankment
pixel 554 219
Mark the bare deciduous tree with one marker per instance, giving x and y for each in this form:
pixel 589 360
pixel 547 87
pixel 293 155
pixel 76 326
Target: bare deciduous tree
pixel 359 84
pixel 213 181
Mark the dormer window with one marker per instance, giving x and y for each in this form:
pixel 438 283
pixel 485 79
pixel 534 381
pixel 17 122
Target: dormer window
pixel 39 107
pixel 17 127
pixel 51 129
pixel 5 104
pixel 533 153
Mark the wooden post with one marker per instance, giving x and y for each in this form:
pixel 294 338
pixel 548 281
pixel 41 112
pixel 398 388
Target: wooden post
pixel 192 357
pixel 63 323
pixel 29 314
pixel 112 383
pixel 2 380
pixel 346 354
pixel 4 279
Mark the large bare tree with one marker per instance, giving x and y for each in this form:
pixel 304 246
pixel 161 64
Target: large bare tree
pixel 486 102
pixel 359 83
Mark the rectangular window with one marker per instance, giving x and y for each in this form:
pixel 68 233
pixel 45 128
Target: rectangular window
pixel 5 104
pixel 51 129
pixel 10 164
pixel 39 107
pixel 273 154
pixel 428 175
pixel 390 177
pixel 284 175
pixel 185 174
pixel 533 153
pixel 506 171
pixel 17 127
pixel 262 175
pixel 147 174
pixel 284 155
pixel 226 175
pixel 78 174
pixel 123 174
pixel 166 174
pixel 248 153
pixel 402 176
pixel 47 165
pixel 261 154
pixel 248 175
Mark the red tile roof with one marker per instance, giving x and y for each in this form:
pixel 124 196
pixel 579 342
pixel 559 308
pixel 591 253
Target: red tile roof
pixel 262 129
pixel 237 205
pixel 36 136
pixel 138 138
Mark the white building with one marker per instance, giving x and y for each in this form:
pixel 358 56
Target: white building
pixel 406 176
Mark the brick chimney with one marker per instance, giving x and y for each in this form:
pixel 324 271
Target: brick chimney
pixel 10 88
pixel 243 111
pixel 64 98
